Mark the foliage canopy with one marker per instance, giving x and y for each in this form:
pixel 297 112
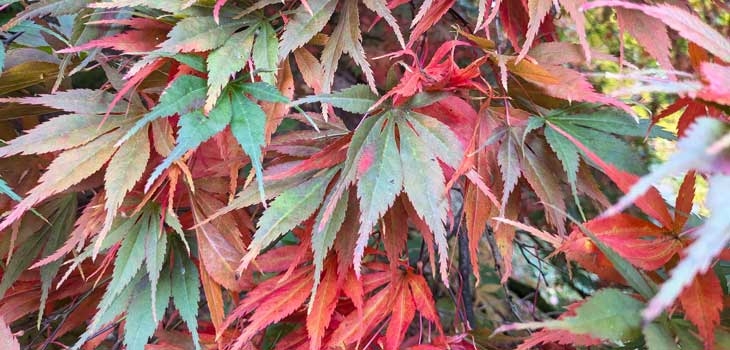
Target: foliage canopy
pixel 373 174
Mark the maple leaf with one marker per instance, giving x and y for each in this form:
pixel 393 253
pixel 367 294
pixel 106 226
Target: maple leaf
pixel 322 305
pixel 69 168
pixel 265 53
pixel 184 95
pixel 198 34
pixel 425 187
pixel 404 309
pixel 640 242
pixel 702 303
pixel 380 178
pixel 355 99
pixel 219 249
pixel 685 23
pixel 711 239
pixel 228 59
pixel 608 314
pixel 304 25
pixel 288 209
pixel 650 32
pixel 345 38
pixel 288 295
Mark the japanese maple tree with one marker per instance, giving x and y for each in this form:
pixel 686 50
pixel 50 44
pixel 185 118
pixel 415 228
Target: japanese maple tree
pixel 344 174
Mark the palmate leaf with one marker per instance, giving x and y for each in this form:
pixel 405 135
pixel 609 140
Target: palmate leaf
pixel 61 133
pixel 139 326
pixel 184 95
pixel 77 101
pixel 155 249
pixel 286 211
pixel 711 238
pixel 248 125
pixel 186 293
pixel 322 304
pixel 110 307
pixel 62 225
pixel 355 99
pixel 425 186
pixel 303 25
pixel 198 34
pixel 195 128
pixel 262 91
pixel 380 179
pixel 124 170
pixel 323 239
pixel 702 303
pixel 691 154
pixel 227 60
pixel 609 314
pixel 685 23
pixel 130 257
pixel 265 53
pixel 44 242
pixel 509 165
pixel 346 38
pixel 438 137
pixel 68 169
pixel 350 167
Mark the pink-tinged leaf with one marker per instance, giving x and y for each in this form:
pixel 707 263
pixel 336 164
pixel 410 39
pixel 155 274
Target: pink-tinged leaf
pixel 650 32
pixel 129 42
pixel 685 23
pixel 379 182
pixel 346 38
pixel 574 86
pixel 509 165
pixel 557 53
pixel 404 309
pixel 650 202
pixel 702 302
pixel 79 101
pixel 573 8
pixel 426 190
pixel 484 6
pixel 7 338
pixel 537 10
pixel 431 15
pixel 323 305
pixel 310 68
pixel 717 79
pixel 353 287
